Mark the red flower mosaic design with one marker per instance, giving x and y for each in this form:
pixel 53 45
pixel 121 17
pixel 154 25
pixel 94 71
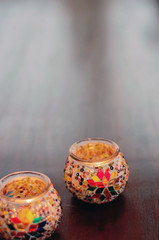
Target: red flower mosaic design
pixel 99 183
pixel 100 176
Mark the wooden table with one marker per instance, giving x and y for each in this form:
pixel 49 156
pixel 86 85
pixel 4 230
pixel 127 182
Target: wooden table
pixel 76 69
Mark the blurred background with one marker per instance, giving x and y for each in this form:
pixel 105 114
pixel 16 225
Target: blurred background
pixel 76 69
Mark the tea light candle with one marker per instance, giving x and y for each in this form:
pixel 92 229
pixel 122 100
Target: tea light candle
pixel 30 207
pixel 95 170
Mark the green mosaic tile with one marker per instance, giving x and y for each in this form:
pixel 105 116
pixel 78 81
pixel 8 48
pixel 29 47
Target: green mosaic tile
pixel 37 220
pixel 10 226
pixel 91 188
pixel 111 188
pixel 114 193
pixel 102 198
pixel 99 190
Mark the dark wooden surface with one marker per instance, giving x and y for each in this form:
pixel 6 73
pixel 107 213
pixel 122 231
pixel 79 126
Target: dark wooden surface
pixel 76 69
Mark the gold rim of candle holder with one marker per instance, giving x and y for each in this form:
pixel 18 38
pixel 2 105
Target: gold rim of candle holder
pixel 28 200
pixel 98 162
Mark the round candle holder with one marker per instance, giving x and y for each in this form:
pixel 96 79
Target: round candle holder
pixel 95 170
pixel 27 212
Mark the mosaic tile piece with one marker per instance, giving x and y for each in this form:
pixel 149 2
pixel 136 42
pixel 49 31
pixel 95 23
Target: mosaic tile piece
pixel 91 183
pixel 20 234
pixel 15 220
pixel 111 188
pixel 10 226
pixel 42 224
pixel 114 193
pixel 19 226
pixel 99 190
pixel 100 185
pixel 41 230
pixel 113 174
pixel 102 198
pixel 111 183
pixel 26 216
pixel 95 179
pixel 27 236
pixel 9 193
pixel 105 181
pixel 13 233
pixel 91 188
pixel 100 174
pixel 38 235
pixel 107 194
pixel 33 228
pixel 107 175
pixel 117 187
pixel 96 196
pixel 37 219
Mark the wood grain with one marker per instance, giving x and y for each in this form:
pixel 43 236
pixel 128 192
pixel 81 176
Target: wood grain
pixel 76 69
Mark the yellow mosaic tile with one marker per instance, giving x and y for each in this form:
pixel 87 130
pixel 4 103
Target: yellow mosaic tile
pixel 105 181
pixel 113 175
pixel 96 179
pixel 26 216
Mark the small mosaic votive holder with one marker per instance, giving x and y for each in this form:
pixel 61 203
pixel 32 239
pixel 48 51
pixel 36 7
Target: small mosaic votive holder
pixel 97 178
pixel 33 217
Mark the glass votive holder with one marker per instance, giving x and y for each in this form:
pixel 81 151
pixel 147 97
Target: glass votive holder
pixel 30 207
pixel 95 170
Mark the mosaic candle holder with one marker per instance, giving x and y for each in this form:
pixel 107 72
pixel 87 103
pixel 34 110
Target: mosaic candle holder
pixel 95 170
pixel 28 211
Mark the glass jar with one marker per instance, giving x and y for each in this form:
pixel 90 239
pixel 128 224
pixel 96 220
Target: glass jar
pixel 30 207
pixel 95 170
